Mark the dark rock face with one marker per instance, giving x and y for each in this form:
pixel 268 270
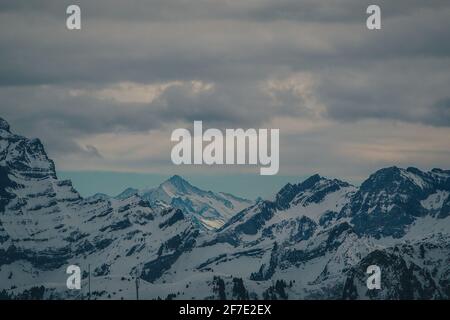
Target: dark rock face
pixel 168 254
pixel 333 239
pixel 252 225
pixel 177 216
pixel 390 200
pixel 412 281
pixel 44 260
pixel 266 272
pixel 445 211
pixel 5 184
pixel 305 229
pixel 4 125
pixel 317 187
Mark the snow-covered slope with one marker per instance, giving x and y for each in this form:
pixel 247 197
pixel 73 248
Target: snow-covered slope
pixel 209 209
pixel 45 225
pixel 315 239
pixel 310 243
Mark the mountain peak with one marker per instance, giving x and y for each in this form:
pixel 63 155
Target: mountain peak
pixel 414 170
pixel 179 183
pixel 316 181
pixel 25 156
pixel 440 171
pixel 128 192
pixel 313 189
pixel 312 180
pixel 393 178
pixel 4 125
pixel 382 175
pixel 176 178
pixel 210 209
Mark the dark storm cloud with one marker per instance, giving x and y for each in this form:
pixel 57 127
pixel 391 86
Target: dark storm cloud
pixel 57 116
pixel 440 113
pixel 137 40
pixel 400 72
pixel 262 10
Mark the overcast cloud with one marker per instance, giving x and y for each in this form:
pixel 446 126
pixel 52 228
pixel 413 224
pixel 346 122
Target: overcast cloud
pixel 346 99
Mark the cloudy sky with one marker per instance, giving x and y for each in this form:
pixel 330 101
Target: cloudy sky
pixel 347 100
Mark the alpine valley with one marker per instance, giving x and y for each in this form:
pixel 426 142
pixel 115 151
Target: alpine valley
pixel 312 240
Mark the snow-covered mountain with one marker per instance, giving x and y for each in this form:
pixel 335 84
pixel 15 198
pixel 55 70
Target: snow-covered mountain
pixel 209 209
pixel 313 240
pixel 45 225
pixel 310 241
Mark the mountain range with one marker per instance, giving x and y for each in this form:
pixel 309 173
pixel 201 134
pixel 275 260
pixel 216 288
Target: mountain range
pixel 209 209
pixel 312 240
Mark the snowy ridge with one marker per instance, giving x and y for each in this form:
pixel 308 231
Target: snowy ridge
pixel 208 209
pixel 314 240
